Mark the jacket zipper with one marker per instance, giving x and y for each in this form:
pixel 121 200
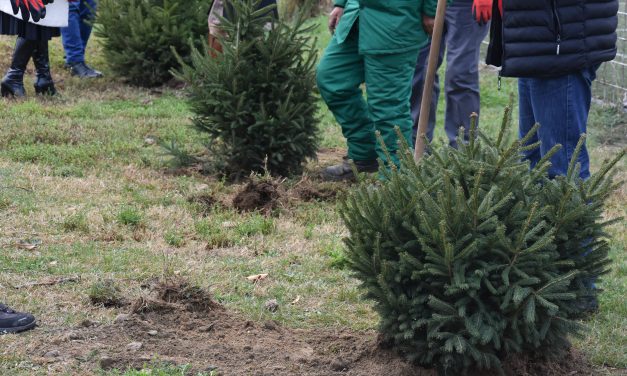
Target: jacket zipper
pixel 496 8
pixel 558 26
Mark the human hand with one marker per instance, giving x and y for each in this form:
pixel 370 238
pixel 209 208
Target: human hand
pixel 334 18
pixel 482 11
pixel 428 23
pixel 29 8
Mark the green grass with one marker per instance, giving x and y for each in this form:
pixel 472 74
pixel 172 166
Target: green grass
pixel 77 174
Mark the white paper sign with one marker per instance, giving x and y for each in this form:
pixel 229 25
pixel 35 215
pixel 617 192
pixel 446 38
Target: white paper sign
pixel 56 13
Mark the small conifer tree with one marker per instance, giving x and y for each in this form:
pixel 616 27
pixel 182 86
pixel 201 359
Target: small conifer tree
pixel 255 100
pixel 470 256
pixel 138 36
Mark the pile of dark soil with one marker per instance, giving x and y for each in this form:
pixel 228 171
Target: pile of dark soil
pixel 260 194
pixel 174 294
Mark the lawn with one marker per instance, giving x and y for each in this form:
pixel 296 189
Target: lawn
pixel 87 195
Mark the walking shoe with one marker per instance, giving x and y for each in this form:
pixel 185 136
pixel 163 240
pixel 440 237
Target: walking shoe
pixel 13 82
pixel 14 322
pixel 344 170
pixel 83 70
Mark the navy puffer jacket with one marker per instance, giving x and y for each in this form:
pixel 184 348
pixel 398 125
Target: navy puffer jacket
pixel 550 38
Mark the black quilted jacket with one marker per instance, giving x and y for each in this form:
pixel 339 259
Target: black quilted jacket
pixel 549 38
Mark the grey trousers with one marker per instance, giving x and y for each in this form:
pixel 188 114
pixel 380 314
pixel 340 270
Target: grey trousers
pixel 462 38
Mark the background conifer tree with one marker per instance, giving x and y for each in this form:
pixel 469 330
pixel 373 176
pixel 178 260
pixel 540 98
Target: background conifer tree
pixel 255 100
pixel 139 36
pixel 470 256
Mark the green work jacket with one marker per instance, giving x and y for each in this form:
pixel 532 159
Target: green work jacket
pixel 385 26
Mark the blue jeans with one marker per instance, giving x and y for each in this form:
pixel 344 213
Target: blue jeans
pixel 76 34
pixel 561 106
pixel 462 38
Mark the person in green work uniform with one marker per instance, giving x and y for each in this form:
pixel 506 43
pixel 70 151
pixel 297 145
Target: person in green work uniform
pixel 375 42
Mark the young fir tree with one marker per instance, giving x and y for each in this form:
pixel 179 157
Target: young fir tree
pixel 255 100
pixel 470 256
pixel 139 36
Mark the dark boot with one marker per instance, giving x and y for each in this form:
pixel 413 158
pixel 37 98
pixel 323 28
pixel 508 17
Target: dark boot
pixel 41 58
pixel 344 171
pixel 83 70
pixel 13 82
pixel 14 322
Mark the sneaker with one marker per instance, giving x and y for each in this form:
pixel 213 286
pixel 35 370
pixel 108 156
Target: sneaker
pixel 15 322
pixel 344 171
pixel 83 70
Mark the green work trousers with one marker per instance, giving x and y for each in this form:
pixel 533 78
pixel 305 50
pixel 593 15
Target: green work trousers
pixel 388 79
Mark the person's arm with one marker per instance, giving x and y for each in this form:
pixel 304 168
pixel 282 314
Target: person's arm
pixel 336 14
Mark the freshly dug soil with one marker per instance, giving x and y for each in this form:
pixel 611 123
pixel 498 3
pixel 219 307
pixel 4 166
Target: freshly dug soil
pixel 213 338
pixel 179 324
pixel 259 194
pixel 309 190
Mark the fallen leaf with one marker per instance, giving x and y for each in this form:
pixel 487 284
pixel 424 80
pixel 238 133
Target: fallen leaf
pixel 257 277
pixel 296 300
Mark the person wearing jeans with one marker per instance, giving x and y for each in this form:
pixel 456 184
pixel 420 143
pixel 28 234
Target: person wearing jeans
pixel 563 100
pixel 555 49
pixel 76 35
pixel 462 39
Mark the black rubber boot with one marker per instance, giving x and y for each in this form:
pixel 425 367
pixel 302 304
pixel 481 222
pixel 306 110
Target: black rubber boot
pixel 15 322
pixel 44 84
pixel 344 171
pixel 13 82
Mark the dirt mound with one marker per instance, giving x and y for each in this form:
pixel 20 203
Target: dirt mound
pixel 174 295
pixel 574 363
pixel 219 340
pixel 260 193
pixel 223 341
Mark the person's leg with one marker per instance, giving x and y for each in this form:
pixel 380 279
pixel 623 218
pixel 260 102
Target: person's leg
pixel 339 77
pixel 75 37
pixel 14 322
pixel 41 59
pixel 71 36
pixel 463 41
pixel 13 82
pixel 526 120
pixel 561 106
pixel 418 83
pixel 388 84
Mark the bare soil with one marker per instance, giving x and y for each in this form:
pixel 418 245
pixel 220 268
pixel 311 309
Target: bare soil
pixel 263 194
pixel 179 324
pixel 310 190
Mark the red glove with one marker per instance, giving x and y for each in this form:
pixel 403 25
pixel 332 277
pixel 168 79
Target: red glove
pixel 30 8
pixel 482 11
